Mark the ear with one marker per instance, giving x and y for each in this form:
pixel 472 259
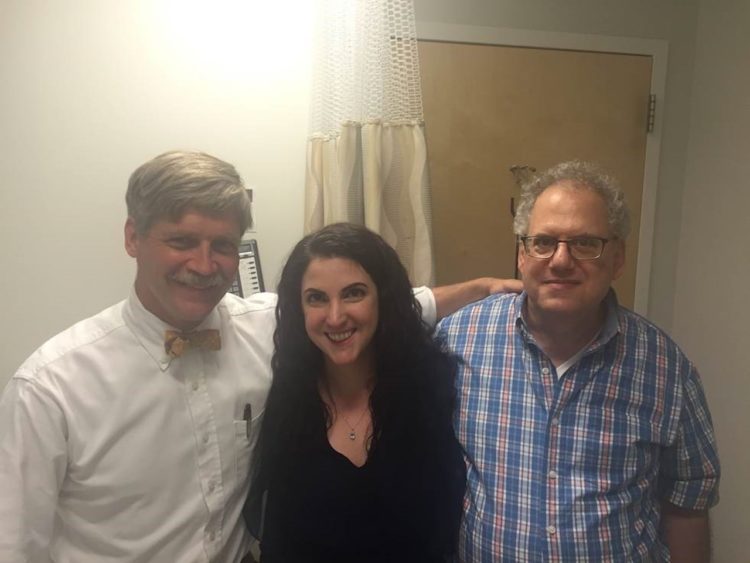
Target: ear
pixel 618 260
pixel 521 257
pixel 131 238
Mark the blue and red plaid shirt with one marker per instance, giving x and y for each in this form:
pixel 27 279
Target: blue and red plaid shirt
pixel 574 469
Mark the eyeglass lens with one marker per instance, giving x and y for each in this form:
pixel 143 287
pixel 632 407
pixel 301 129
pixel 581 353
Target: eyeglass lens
pixel 583 248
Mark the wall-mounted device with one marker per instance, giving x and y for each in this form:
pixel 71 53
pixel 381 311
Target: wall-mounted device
pixel 249 278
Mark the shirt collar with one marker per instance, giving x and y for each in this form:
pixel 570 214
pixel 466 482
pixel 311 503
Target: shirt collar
pixel 611 320
pixel 149 329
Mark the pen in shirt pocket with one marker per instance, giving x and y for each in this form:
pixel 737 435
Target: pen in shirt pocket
pixel 247 416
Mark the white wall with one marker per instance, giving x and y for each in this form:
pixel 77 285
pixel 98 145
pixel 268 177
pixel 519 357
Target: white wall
pixel 712 308
pixel 92 89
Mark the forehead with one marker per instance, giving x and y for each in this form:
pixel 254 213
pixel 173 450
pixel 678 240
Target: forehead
pixel 200 224
pixel 333 273
pixel 568 208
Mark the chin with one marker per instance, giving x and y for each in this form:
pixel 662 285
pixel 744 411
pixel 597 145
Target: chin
pixel 559 306
pixel 342 359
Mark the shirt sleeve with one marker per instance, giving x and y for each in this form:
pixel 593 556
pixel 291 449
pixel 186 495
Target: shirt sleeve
pixel 32 467
pixel 426 299
pixel 690 470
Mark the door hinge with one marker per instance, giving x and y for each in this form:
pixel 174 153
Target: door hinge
pixel 651 113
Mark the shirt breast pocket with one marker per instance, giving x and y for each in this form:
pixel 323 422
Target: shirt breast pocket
pixel 625 452
pixel 245 438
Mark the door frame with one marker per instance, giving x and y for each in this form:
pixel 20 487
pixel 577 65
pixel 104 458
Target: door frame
pixel 655 48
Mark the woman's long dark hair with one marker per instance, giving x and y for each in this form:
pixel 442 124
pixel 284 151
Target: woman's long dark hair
pixel 414 390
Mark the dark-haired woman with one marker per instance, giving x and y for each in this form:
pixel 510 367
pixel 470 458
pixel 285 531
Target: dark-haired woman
pixel 357 460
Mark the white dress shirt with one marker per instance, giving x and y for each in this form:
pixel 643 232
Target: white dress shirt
pixel 111 451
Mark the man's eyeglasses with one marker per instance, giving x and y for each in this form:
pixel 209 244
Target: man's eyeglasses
pixel 580 248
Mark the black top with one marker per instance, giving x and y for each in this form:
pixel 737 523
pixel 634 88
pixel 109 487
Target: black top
pixel 404 504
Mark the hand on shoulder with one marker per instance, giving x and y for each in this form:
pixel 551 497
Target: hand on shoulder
pixel 499 285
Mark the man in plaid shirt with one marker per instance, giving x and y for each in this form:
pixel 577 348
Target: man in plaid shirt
pixel 586 429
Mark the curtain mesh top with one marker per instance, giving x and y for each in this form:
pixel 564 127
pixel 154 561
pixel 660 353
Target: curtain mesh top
pixel 366 64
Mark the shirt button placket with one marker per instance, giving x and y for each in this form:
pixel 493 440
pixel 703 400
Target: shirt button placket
pixel 209 467
pixel 552 486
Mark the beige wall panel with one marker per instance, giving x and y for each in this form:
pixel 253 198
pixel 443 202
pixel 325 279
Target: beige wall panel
pixel 490 107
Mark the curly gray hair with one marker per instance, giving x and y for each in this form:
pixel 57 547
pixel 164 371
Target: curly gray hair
pixel 582 174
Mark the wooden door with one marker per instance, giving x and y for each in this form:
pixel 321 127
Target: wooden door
pixel 489 107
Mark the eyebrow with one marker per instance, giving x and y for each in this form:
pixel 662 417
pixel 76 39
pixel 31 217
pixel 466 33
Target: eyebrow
pixel 196 235
pixel 585 234
pixel 350 286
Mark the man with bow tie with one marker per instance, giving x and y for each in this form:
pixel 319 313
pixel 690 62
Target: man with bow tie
pixel 128 437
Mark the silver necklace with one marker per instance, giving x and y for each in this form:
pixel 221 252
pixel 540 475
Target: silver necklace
pixel 352 429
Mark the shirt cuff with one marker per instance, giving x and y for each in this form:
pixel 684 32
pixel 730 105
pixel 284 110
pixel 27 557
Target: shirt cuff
pixel 426 299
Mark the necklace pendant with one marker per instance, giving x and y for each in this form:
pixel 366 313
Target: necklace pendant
pixel 352 435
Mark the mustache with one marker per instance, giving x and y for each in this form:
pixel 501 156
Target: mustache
pixel 198 281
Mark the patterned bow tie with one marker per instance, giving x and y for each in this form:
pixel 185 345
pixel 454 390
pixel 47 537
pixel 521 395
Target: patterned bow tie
pixel 177 343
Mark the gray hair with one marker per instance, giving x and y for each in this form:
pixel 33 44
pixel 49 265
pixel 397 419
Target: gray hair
pixel 584 175
pixel 179 181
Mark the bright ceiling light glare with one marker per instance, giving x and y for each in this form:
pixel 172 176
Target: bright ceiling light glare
pixel 226 39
